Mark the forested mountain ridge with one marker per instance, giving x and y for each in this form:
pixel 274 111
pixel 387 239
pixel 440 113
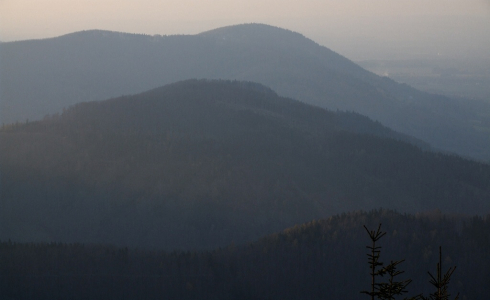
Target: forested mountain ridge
pixel 323 259
pixel 198 164
pixel 40 77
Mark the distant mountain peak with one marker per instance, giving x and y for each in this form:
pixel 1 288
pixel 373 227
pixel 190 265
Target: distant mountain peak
pixel 102 34
pixel 255 31
pixel 243 84
pixel 251 28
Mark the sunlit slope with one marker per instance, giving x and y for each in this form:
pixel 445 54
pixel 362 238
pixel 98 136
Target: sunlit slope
pixel 199 164
pixel 40 77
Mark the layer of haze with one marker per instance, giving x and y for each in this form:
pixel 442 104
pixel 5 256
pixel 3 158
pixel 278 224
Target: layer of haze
pixel 358 29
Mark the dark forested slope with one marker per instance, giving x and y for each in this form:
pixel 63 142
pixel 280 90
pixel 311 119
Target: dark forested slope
pixel 199 164
pixel 323 259
pixel 40 77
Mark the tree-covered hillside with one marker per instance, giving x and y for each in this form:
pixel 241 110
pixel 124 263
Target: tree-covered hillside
pixel 199 164
pixel 324 259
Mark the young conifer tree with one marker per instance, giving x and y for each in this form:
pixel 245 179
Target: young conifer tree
pixel 391 288
pixel 441 282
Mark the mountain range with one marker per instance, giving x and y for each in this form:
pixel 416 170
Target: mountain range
pixel 149 167
pixel 40 77
pixel 202 163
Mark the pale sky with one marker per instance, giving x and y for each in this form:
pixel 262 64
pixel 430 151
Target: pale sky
pixel 354 28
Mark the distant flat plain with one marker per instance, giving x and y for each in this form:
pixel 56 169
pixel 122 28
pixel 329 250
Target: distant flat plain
pixel 462 78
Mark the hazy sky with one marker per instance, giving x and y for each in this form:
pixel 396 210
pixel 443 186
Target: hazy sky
pixel 358 29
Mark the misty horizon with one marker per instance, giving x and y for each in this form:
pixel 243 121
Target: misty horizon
pixel 359 30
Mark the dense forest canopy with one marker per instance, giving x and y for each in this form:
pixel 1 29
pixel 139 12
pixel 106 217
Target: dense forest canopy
pixel 199 164
pixel 323 259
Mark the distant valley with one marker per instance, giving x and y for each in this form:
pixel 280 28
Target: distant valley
pixel 469 78
pixel 41 77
